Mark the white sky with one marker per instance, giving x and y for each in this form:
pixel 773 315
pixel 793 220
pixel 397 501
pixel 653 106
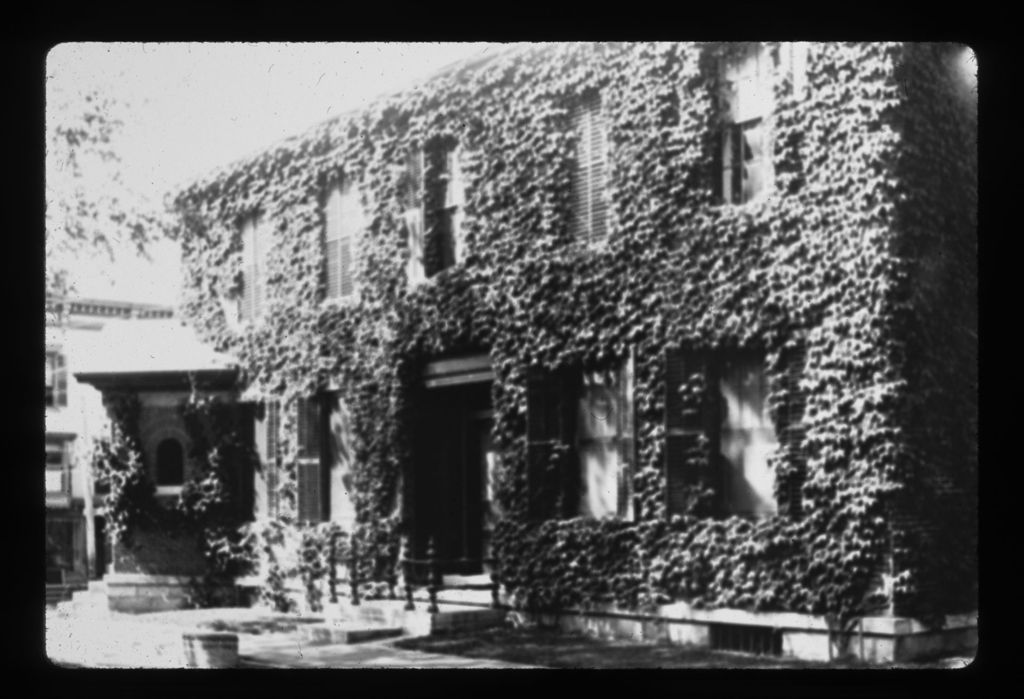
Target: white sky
pixel 197 106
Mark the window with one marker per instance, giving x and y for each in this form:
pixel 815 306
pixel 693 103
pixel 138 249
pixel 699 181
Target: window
pixel 311 504
pixel 747 439
pixel 170 463
pixel 56 380
pixel 256 243
pixel 445 202
pixel 56 466
pixel 345 224
pixel 745 99
pixel 718 434
pixel 410 197
pixel 604 442
pixel 589 210
pixel 580 439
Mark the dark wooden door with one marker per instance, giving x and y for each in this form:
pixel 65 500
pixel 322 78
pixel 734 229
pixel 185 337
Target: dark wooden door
pixel 450 478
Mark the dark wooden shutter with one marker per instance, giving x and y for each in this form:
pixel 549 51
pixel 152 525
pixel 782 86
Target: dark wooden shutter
pixel 792 430
pixel 544 427
pixel 689 417
pixel 309 472
pixel 60 381
pixel 267 444
pixel 250 283
pixel 718 165
pixel 627 439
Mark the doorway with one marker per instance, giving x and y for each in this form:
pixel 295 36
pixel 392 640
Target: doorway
pixel 453 450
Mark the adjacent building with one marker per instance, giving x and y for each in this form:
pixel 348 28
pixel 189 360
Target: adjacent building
pixel 75 533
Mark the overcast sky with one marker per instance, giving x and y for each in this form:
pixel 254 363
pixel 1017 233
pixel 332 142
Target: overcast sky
pixel 199 106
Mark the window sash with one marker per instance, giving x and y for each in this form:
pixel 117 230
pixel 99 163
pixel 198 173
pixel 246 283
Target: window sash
pixel 745 174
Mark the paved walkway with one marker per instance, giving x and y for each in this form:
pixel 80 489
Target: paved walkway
pixel 154 641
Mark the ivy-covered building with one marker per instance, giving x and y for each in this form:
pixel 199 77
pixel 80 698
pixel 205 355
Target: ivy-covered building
pixel 661 326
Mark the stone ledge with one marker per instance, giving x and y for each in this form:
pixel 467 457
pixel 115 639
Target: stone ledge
pixel 876 639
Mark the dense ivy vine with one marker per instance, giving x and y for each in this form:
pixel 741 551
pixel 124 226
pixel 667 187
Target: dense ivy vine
pixel 209 508
pixel 819 265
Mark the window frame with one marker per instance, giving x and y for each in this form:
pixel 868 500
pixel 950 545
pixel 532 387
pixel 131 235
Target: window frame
pixel 697 426
pixel 621 443
pixel 746 101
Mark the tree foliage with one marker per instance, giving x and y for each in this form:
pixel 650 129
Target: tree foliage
pixel 92 209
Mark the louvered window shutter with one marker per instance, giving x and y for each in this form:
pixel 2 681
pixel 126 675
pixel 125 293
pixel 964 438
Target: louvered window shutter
pixel 627 439
pixel 344 226
pixel 309 473
pixel 689 415
pixel 543 429
pixel 589 209
pixel 262 234
pixel 266 441
pixel 792 430
pixel 249 279
pixel 60 381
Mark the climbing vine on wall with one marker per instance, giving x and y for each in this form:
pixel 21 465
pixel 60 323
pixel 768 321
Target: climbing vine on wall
pixel 811 266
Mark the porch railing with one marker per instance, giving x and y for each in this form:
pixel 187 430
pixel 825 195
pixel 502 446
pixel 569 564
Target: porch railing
pixel 431 564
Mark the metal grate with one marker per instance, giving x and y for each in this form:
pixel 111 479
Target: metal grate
pixel 759 640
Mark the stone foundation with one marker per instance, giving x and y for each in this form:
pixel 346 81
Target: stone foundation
pixel 803 636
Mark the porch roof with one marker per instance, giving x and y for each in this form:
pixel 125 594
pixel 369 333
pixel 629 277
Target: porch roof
pixel 152 352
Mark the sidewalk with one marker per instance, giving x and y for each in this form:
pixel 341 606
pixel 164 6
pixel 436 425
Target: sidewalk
pixel 154 641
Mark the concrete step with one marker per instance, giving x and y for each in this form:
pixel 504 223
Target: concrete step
pixel 340 631
pixel 478 581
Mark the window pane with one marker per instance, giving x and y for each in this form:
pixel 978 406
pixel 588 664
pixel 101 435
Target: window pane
pixel 747 439
pixel 599 491
pixel 170 463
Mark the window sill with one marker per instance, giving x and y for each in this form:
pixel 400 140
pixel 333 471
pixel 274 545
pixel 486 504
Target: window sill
pixel 340 301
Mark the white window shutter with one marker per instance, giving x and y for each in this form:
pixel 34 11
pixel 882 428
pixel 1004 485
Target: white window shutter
pixel 345 222
pixel 589 208
pixel 414 237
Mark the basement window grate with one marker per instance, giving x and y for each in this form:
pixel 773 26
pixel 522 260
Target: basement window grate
pixel 759 640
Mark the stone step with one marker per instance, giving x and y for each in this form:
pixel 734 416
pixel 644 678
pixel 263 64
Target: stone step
pixel 339 631
pixel 477 581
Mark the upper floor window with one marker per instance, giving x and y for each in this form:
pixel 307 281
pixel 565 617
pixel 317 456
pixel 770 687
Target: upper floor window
pixel 345 224
pixel 56 380
pixel 444 208
pixel 746 102
pixel 589 176
pixel 256 244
